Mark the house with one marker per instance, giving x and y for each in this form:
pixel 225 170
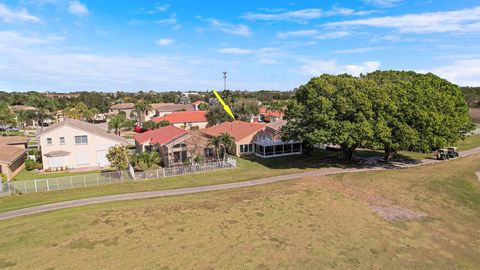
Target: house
pixel 255 139
pixel 76 144
pixel 16 141
pixel 126 108
pixel 267 115
pixel 175 145
pixel 12 160
pixel 185 120
pixel 162 109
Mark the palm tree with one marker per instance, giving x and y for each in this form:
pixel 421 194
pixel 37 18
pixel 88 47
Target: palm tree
pixel 141 109
pixel 228 142
pixel 22 117
pixel 45 106
pixel 216 142
pixel 6 115
pixel 150 158
pixel 117 122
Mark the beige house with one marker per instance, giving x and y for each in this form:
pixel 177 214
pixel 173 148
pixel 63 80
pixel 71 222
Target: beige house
pixel 76 144
pixel 126 108
pixel 256 139
pixel 175 145
pixel 13 152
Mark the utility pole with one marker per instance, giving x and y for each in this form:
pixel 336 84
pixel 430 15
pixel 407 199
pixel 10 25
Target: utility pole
pixel 224 81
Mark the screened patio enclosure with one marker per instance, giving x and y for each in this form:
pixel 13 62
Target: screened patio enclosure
pixel 267 149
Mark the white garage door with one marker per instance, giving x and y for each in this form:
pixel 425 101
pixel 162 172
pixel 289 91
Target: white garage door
pixel 82 159
pixel 56 162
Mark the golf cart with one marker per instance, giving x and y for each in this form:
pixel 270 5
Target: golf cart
pixel 442 154
pixel 452 152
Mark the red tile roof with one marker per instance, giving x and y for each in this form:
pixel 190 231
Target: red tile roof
pixel 160 136
pixel 266 111
pixel 183 117
pixel 238 129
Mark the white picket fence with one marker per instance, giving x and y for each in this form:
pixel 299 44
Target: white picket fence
pixel 106 178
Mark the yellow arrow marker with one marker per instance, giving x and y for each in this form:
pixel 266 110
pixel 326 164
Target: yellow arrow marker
pixel 225 106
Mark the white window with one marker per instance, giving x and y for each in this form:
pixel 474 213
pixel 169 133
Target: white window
pixel 49 141
pixel 62 140
pixel 81 139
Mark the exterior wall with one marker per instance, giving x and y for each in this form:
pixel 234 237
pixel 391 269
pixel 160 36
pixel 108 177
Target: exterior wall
pixel 265 133
pixel 13 169
pixel 95 143
pixel 127 112
pixel 187 126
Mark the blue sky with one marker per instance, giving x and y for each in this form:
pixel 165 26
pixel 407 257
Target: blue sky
pixel 63 45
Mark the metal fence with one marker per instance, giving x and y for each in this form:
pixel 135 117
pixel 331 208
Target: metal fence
pixel 173 171
pixel 105 178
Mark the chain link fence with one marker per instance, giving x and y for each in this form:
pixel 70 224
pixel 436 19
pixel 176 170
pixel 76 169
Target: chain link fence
pixel 106 178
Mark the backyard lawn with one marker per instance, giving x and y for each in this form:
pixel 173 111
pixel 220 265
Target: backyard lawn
pixel 31 175
pixel 313 223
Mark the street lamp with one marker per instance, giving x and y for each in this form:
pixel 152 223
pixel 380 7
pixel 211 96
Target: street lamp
pixel 224 80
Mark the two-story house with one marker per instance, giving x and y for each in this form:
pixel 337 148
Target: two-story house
pixel 76 144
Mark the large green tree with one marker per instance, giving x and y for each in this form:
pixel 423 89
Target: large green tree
pixel 141 109
pixel 216 115
pixel 419 112
pixel 45 106
pixel 332 109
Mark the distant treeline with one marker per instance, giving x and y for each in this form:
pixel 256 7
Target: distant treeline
pixel 103 101
pixel 472 96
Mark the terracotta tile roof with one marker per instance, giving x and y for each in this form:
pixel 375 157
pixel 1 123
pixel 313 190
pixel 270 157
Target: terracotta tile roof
pixel 198 102
pixel 122 106
pixel 160 136
pixel 13 139
pixel 8 154
pixel 266 111
pixel 90 128
pixel 172 107
pixel 183 117
pixel 238 129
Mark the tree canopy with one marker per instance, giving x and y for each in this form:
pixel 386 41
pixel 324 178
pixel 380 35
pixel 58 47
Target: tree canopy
pixel 394 110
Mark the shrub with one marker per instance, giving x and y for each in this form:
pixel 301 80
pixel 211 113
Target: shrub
pixel 3 178
pixel 32 165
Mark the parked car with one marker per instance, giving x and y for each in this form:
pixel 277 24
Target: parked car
pixel 45 124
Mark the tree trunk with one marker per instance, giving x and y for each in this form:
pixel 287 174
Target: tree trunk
pixel 348 153
pixel 389 153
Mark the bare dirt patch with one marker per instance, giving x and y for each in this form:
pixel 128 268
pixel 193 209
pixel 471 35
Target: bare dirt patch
pixel 382 206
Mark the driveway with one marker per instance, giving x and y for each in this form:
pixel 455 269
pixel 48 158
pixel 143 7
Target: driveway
pixel 181 191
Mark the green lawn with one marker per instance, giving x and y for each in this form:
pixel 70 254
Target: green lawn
pixel 312 223
pixel 31 175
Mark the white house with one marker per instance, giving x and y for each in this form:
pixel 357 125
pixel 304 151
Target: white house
pixel 76 144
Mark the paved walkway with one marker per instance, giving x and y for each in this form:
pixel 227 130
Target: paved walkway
pixel 181 191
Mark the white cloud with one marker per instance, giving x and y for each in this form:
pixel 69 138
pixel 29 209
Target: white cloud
pixel 237 51
pixel 359 50
pixel 302 15
pixel 164 42
pixel 162 8
pixel 331 35
pixel 318 67
pixel 464 20
pixel 77 8
pixel 229 28
pixel 264 55
pixel 383 3
pixel 171 21
pixel 8 15
pixel 298 33
pixel 464 72
pixel 12 39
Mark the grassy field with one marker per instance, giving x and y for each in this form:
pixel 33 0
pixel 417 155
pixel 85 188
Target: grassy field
pixel 248 169
pixel 315 223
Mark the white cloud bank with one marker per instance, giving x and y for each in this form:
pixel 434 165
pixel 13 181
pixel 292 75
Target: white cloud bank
pixel 303 15
pixel 464 72
pixel 318 67
pixel 77 8
pixel 459 21
pixel 164 42
pixel 8 15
